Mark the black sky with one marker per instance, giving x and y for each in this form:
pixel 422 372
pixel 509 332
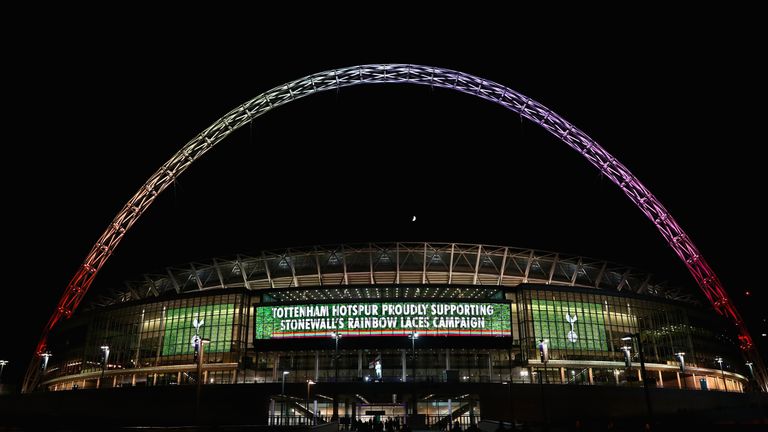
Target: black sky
pixel 682 108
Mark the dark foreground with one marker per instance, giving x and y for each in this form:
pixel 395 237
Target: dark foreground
pixel 246 407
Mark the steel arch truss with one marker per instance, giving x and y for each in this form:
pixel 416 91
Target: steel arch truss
pixel 410 74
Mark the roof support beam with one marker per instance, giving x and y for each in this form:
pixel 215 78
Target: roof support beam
pixel 173 280
pixel 219 273
pixel 503 266
pixel 576 272
pixel 317 264
pixel 644 286
pixel 344 264
pixel 152 285
pixel 528 266
pixel 370 263
pixel 600 274
pixel 477 264
pixel 266 268
pixel 624 277
pixel 135 293
pixel 397 257
pixel 245 277
pixel 197 278
pixel 552 269
pixel 288 257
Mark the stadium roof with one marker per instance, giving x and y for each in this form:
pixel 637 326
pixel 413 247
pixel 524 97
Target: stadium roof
pixel 393 263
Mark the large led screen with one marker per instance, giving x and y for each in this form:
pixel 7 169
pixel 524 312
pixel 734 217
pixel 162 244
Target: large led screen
pixel 569 325
pixel 383 319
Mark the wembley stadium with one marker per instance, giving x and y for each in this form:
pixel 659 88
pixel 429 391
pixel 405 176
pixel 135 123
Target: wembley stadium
pixel 423 334
pixel 431 332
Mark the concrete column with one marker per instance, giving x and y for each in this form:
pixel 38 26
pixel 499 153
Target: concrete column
pixel 275 367
pixel 472 410
pixel 661 380
pixel 317 365
pixel 679 384
pixel 562 375
pixel 695 382
pixel 271 412
pixel 133 380
pixel 490 368
pixel 114 382
pixel 359 363
pixel 591 380
pixel 154 380
pixel 98 382
pixel 335 415
pixel 402 361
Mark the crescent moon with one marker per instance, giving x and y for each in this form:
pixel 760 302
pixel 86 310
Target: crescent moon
pixel 414 219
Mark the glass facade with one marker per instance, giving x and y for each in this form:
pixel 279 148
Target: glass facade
pixel 250 342
pixel 150 336
pixel 600 321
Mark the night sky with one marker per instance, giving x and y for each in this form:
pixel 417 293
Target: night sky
pixel 355 165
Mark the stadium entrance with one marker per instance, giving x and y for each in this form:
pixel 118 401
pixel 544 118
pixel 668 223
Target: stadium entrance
pixel 381 412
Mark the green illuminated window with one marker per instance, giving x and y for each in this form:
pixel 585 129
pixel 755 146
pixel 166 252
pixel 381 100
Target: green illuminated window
pixel 217 327
pixel 551 321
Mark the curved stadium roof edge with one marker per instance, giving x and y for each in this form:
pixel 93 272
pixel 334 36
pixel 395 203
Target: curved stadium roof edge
pixel 394 263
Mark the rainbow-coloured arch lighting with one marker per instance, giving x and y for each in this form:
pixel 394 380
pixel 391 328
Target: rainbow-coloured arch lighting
pixel 526 107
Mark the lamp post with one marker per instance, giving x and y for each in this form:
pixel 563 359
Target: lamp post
pixel 105 352
pixel 2 367
pixel 45 356
pixel 642 372
pixel 722 372
pixel 544 356
pixel 309 383
pixel 681 357
pixel 335 416
pixel 627 356
pixel 284 407
pixel 413 335
pixel 201 350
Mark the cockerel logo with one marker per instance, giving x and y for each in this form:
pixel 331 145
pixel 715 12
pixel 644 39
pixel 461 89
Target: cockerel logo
pixel 572 336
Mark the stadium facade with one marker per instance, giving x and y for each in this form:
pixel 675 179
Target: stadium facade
pixel 430 320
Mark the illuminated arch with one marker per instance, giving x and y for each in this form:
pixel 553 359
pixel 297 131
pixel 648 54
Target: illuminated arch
pixel 410 74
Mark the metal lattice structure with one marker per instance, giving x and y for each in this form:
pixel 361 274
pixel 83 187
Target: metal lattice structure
pixel 477 269
pixel 608 165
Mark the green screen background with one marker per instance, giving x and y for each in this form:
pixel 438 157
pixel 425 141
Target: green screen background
pixel 549 323
pixel 217 327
